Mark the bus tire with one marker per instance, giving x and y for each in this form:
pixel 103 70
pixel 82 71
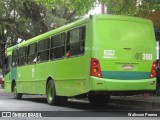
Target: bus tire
pixel 15 93
pixel 52 98
pixel 98 100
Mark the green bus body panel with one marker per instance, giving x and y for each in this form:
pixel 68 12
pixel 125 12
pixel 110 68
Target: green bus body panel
pixel 125 41
pixel 100 84
pixel 124 46
pixel 66 78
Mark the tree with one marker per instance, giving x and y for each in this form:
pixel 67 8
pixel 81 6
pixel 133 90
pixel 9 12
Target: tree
pixel 74 7
pixel 138 8
pixel 23 19
pixel 20 20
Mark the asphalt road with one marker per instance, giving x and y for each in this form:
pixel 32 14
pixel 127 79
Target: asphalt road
pixel 74 108
pixel 39 103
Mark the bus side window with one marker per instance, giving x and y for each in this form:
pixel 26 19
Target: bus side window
pixel 75 42
pixel 15 58
pixel 7 65
pixel 22 56
pixel 43 50
pixel 57 46
pixel 32 53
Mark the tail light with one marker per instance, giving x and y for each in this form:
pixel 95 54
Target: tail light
pixel 153 70
pixel 95 69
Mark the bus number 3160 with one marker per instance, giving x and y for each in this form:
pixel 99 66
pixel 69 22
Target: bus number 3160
pixel 143 56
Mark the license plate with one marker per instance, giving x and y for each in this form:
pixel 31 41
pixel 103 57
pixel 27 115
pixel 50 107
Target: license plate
pixel 127 67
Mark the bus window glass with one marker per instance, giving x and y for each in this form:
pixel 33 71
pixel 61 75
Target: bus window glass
pixel 43 45
pixel 7 65
pixel 82 33
pixel 32 48
pixel 32 53
pixel 14 58
pixel 57 52
pixel 74 36
pixel 75 41
pixel 57 46
pixel 57 41
pixel 22 56
pixel 43 56
pixel 43 50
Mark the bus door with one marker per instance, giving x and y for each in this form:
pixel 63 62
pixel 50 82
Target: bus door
pixel 29 71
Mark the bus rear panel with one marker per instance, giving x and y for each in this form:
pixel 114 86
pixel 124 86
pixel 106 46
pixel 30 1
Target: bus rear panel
pixel 125 53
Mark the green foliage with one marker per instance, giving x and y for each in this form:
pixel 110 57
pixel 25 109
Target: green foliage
pixel 53 21
pixel 80 6
pixel 121 7
pixel 138 8
pixel 131 7
pixel 24 19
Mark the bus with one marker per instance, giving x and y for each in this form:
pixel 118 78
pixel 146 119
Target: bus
pixel 94 57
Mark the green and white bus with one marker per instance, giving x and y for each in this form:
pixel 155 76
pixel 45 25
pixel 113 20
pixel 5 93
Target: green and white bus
pixel 95 57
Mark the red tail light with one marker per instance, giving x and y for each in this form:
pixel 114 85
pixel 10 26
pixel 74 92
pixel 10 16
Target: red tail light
pixel 95 69
pixel 153 70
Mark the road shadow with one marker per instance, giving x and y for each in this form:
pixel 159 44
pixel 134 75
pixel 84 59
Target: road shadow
pixel 79 104
pixel 37 100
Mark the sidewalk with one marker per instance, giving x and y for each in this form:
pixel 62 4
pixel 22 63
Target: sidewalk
pixel 151 102
pixel 1 90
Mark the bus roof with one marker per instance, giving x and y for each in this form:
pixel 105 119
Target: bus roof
pixel 49 33
pixel 74 24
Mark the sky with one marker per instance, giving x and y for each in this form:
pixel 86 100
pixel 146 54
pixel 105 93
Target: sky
pixel 96 10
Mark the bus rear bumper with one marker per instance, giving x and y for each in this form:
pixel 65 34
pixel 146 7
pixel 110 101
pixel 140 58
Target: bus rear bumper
pixel 109 85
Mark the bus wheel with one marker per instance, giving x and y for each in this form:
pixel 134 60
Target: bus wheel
pixel 52 98
pixel 99 100
pixel 16 95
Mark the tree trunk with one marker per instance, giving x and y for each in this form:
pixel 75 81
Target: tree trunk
pixel 2 48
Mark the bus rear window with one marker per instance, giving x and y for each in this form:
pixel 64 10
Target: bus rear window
pixel 128 32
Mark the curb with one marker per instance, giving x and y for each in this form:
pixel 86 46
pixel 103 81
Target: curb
pixel 140 103
pixel 136 103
